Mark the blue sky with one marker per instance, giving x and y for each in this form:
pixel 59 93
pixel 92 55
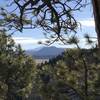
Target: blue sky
pixel 29 38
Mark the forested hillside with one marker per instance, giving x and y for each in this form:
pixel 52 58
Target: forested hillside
pixel 74 69
pixel 71 76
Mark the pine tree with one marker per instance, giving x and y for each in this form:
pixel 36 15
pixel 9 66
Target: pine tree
pixel 17 70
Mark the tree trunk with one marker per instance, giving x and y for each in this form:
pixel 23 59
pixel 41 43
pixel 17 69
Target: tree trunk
pixel 8 96
pixel 96 11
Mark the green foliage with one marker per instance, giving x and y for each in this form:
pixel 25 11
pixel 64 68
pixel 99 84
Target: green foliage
pixel 73 40
pixel 17 70
pixel 69 69
pixel 18 73
pixel 88 40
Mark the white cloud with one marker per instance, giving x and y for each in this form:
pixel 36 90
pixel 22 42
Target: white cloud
pixel 30 43
pixel 27 40
pixel 88 22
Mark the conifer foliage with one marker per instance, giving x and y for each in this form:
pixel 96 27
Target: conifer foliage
pixel 17 70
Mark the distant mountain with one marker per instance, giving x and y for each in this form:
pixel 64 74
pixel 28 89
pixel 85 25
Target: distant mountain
pixel 45 52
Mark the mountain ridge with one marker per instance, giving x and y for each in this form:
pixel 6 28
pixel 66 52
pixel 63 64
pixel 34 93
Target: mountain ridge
pixel 45 52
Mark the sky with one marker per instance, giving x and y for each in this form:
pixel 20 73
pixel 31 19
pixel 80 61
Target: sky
pixel 29 38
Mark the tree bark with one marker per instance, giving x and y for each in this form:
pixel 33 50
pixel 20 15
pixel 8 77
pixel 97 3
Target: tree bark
pixel 96 11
